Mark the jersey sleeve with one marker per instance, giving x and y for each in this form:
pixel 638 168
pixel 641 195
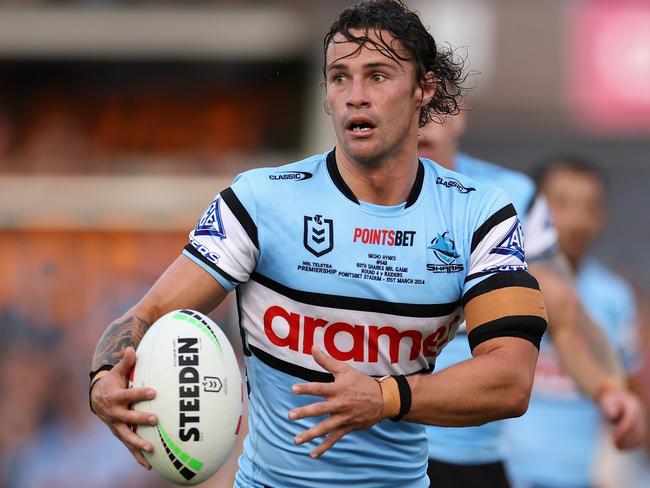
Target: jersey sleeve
pixel 224 241
pixel 540 234
pixel 500 298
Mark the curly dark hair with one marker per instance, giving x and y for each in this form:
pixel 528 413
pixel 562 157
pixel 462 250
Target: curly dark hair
pixel 392 16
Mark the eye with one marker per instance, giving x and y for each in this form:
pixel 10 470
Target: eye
pixel 378 77
pixel 337 79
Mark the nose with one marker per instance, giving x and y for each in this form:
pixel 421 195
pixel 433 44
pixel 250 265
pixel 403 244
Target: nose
pixel 357 94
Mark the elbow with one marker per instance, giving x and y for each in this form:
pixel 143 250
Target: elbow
pixel 518 404
pixel 518 396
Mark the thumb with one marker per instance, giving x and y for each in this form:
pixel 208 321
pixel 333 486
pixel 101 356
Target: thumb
pixel 123 368
pixel 610 407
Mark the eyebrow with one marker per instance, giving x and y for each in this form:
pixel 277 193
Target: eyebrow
pixel 374 65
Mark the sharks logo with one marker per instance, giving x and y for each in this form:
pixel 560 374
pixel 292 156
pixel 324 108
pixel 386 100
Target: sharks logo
pixel 513 243
pixel 444 249
pixel 210 223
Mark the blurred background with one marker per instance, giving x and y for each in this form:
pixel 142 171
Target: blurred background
pixel 120 120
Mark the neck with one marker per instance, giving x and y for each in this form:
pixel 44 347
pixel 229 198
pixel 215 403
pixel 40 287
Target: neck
pixel 574 263
pixel 387 182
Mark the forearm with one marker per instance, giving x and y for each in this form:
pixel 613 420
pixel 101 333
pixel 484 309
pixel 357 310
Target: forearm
pixel 493 385
pixel 582 347
pixel 590 370
pixel 120 334
pixel 182 285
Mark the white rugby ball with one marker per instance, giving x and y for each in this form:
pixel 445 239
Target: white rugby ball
pixel 187 359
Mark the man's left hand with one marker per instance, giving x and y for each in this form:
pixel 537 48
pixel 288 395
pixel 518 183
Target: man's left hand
pixel 624 411
pixel 353 402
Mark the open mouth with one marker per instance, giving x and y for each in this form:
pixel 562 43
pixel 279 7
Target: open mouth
pixel 360 126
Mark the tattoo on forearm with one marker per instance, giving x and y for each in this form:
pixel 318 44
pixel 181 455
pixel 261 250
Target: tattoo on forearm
pixel 117 337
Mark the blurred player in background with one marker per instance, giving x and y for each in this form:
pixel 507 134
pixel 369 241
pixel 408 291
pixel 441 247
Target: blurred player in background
pixel 474 457
pixel 363 253
pixel 562 426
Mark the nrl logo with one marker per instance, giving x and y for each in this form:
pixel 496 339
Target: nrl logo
pixel 318 236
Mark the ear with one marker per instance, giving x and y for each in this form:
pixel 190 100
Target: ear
pixel 428 87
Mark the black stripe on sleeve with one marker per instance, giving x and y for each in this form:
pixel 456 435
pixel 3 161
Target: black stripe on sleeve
pixel 241 214
pixel 503 279
pixel 192 250
pixel 240 316
pixel 304 373
pixel 496 218
pixel 527 327
pixel 359 304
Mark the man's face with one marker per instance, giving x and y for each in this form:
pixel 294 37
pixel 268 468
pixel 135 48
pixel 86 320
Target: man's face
pixel 374 101
pixel 576 200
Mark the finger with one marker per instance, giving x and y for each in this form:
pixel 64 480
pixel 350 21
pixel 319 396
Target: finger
pixel 313 410
pixel 127 396
pixel 317 389
pixel 331 439
pixel 126 435
pixel 139 457
pixel 123 368
pixel 611 407
pixel 320 429
pixel 328 363
pixel 135 418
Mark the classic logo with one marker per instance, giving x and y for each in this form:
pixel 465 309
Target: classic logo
pixel 513 243
pixel 287 329
pixel 318 236
pixel 454 183
pixel 210 223
pixel 444 249
pixel 290 175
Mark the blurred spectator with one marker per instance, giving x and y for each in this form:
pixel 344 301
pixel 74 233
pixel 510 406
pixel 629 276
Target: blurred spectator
pixel 555 443
pixel 71 449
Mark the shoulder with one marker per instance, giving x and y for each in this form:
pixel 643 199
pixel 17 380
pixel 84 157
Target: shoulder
pixel 460 186
pixel 471 204
pixel 287 173
pixel 278 183
pixel 611 284
pixel 519 187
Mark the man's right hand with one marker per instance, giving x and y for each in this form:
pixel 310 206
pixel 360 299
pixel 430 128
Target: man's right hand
pixel 625 413
pixel 111 398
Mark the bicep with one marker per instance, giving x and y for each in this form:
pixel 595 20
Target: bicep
pixel 184 284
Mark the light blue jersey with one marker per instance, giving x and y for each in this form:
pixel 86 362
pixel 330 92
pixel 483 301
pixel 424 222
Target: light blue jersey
pixel 381 288
pixel 554 443
pixel 482 445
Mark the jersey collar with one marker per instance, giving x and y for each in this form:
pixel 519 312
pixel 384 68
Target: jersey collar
pixel 335 174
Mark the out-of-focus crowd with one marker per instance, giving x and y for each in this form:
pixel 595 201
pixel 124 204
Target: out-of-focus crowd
pixel 58 291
